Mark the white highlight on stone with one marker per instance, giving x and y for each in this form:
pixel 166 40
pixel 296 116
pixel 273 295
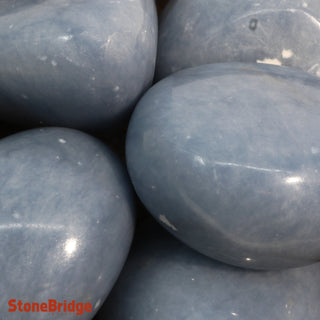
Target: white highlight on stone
pixel 312 19
pixel 286 54
pixel 231 164
pixel 293 180
pixel 164 219
pixel 234 314
pixel 70 246
pixel 116 88
pixel 97 304
pixel 54 63
pixel 62 141
pixel 65 37
pixel 275 61
pixel 315 69
pixel 30 225
pixel 200 160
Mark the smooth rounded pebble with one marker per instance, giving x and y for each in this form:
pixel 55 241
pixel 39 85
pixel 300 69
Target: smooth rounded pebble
pixel 193 33
pixel 66 222
pixel 226 157
pixel 163 279
pixel 79 64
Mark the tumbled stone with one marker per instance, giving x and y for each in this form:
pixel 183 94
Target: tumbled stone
pixel 276 32
pixel 79 64
pixel 66 221
pixel 227 156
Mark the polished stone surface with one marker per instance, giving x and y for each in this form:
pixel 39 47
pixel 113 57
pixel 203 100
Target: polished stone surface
pixel 71 63
pixel 283 32
pixel 227 158
pixel 66 221
pixel 163 279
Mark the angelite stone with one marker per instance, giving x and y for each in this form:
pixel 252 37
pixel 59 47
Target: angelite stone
pixel 227 158
pixel 71 63
pixel 193 33
pixel 66 220
pixel 164 279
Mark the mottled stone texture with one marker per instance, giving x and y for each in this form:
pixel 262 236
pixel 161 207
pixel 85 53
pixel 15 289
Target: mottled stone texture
pixel 277 32
pixel 66 220
pixel 80 64
pixel 227 158
pixel 163 279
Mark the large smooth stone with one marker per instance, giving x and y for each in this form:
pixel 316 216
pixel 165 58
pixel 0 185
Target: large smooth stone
pixel 193 33
pixel 66 220
pixel 227 158
pixel 163 279
pixel 79 64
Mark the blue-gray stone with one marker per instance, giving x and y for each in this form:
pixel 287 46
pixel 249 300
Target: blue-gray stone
pixel 79 64
pixel 66 220
pixel 227 158
pixel 283 32
pixel 163 279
